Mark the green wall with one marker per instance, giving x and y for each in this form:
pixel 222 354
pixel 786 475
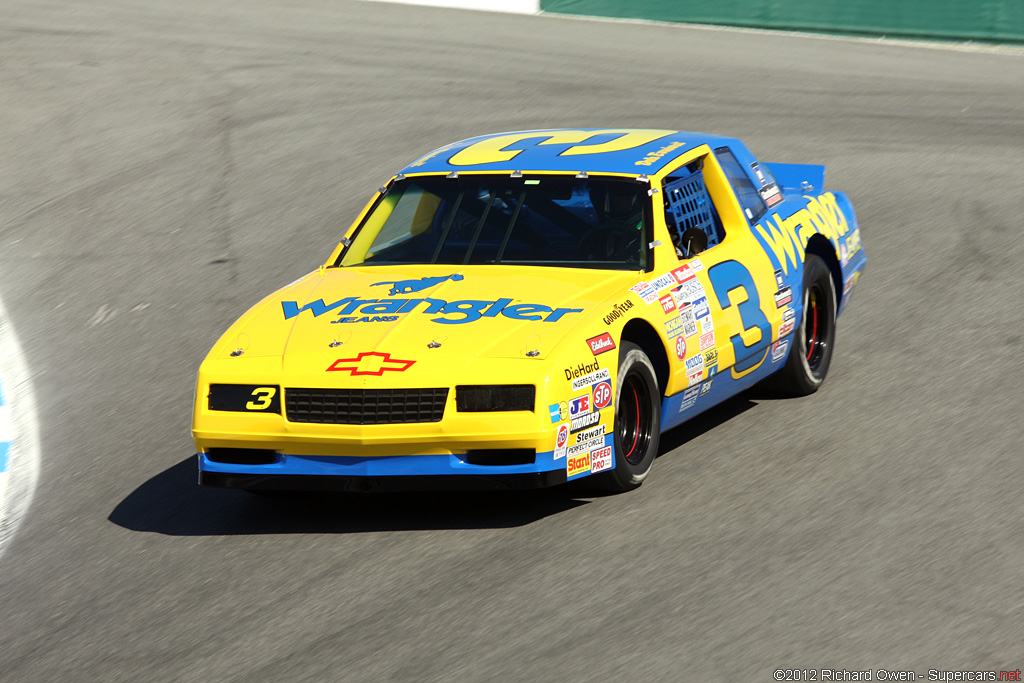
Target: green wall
pixel 989 20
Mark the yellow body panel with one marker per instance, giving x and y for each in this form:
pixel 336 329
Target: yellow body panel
pixel 440 326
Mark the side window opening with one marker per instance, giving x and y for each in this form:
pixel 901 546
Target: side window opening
pixel 690 214
pixel 750 200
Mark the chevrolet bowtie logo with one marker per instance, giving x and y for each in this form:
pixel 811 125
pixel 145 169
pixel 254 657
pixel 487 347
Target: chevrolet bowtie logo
pixel 370 363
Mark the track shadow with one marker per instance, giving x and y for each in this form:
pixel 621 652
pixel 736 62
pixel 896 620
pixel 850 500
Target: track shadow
pixel 705 422
pixel 173 503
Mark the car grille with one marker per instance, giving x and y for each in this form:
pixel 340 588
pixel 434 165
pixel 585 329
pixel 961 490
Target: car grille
pixel 365 406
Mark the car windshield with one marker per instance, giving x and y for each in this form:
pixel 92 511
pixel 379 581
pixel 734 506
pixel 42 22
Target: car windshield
pixel 485 219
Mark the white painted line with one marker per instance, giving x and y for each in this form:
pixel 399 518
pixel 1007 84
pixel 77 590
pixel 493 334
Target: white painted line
pixel 508 6
pixel 18 482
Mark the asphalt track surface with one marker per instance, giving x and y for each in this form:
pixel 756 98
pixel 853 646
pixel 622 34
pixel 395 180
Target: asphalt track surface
pixel 165 164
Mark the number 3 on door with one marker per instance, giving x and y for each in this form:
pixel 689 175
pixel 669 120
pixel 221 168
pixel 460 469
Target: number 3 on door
pixel 726 278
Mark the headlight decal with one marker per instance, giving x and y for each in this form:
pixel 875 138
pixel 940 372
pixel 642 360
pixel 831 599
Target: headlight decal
pixel 494 398
pixel 245 398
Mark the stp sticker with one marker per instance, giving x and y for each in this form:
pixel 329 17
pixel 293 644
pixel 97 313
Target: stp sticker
pixel 681 347
pixel 601 459
pixel 602 343
pixel 561 440
pixel 602 395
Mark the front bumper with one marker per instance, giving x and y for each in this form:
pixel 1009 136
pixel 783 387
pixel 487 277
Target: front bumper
pixel 382 473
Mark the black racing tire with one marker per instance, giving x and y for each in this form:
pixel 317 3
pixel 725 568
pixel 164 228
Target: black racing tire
pixel 812 341
pixel 637 422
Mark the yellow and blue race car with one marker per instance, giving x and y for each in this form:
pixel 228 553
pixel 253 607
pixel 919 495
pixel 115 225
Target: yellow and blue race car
pixel 525 309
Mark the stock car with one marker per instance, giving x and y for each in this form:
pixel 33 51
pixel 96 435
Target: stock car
pixel 525 309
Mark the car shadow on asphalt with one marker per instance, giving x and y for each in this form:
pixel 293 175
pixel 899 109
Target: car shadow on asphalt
pixel 705 422
pixel 173 503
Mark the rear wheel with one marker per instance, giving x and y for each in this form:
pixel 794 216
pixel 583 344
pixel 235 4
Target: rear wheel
pixel 637 421
pixel 812 342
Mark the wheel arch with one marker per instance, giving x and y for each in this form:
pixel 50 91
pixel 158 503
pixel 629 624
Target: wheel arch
pixel 641 333
pixel 822 248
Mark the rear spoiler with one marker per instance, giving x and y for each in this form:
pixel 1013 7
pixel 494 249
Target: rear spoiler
pixel 798 177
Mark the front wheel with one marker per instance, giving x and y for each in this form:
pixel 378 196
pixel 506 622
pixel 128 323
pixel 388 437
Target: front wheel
pixel 637 421
pixel 812 341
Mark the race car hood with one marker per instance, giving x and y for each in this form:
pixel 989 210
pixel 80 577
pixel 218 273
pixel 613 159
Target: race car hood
pixel 372 320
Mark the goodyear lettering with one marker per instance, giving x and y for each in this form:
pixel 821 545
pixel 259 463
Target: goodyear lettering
pixel 449 312
pixel 786 238
pixel 617 311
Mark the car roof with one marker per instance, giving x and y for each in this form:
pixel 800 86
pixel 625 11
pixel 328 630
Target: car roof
pixel 594 150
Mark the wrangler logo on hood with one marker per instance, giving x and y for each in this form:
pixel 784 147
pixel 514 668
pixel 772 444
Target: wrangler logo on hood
pixel 464 311
pixel 410 286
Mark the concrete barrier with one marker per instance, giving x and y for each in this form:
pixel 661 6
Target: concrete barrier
pixel 987 20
